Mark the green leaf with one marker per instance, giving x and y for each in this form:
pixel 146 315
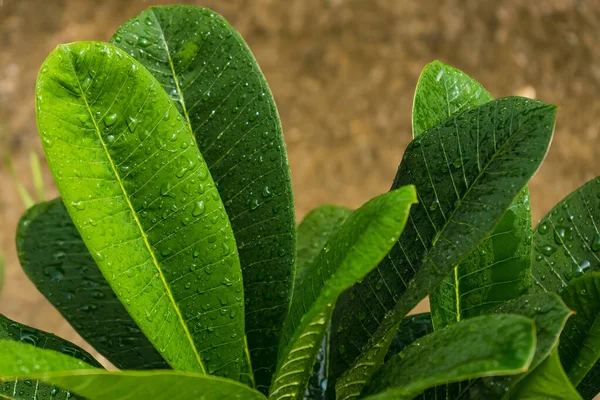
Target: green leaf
pixel 550 314
pixel 313 232
pixel 499 268
pixel 546 382
pixel 442 91
pixel 27 362
pixel 411 328
pixel 567 240
pixel 29 337
pixel 458 205
pixel 56 260
pixel 590 385
pixel 219 89
pixel 499 344
pixel 349 254
pixel 580 341
pixel 141 196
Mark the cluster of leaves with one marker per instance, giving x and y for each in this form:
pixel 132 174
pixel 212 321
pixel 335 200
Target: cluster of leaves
pixel 173 249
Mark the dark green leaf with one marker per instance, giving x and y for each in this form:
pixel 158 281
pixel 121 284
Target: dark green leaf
pixel 56 260
pixel 27 362
pixel 590 385
pixel 458 205
pixel 499 344
pixel 411 328
pixel 549 313
pixel 499 268
pixel 547 382
pixel 144 202
pixel 566 242
pixel 580 341
pixel 313 232
pixel 349 254
pixel 27 389
pixel 217 86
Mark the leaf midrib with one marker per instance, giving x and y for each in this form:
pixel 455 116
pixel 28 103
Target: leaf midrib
pixel 134 214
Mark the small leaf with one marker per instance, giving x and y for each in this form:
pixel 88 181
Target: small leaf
pixel 144 203
pixel 499 268
pixel 19 361
pixel 56 260
pixel 580 340
pixel 497 345
pixel 28 338
pixel 313 232
pixel 222 95
pixel 508 139
pixel 548 381
pixel 348 255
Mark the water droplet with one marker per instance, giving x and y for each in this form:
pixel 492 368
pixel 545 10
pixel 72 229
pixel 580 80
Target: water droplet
pixel 54 273
pixel 198 209
pixel 596 242
pixel 548 250
pixel 559 235
pixel 110 119
pixel 543 228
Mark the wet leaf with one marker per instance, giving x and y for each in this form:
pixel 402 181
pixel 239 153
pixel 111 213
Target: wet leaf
pixel 579 346
pixel 32 389
pixel 508 139
pixel 144 203
pixel 27 362
pixel 499 268
pixel 498 345
pixel 56 260
pixel 313 232
pixel 548 381
pixel 348 255
pixel 217 86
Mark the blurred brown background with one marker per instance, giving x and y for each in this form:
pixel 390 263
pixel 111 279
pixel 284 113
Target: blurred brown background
pixel 343 74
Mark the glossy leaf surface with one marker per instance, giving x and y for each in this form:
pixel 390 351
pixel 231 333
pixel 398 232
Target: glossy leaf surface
pixel 349 254
pixel 411 328
pixel 548 381
pixel 458 205
pixel 144 202
pixel 218 88
pixel 499 269
pixel 26 362
pixel 27 389
pixel 56 260
pixel 549 314
pixel 500 344
pixel 579 347
pixel 313 232
pixel 566 242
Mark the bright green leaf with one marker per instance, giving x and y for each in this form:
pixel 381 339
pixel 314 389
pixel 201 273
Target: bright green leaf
pixel 497 345
pixel 27 362
pixel 56 260
pixel 499 268
pixel 442 91
pixel 546 382
pixel 313 232
pixel 458 205
pixel 580 341
pixel 142 198
pixel 349 254
pixel 30 337
pixel 217 86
